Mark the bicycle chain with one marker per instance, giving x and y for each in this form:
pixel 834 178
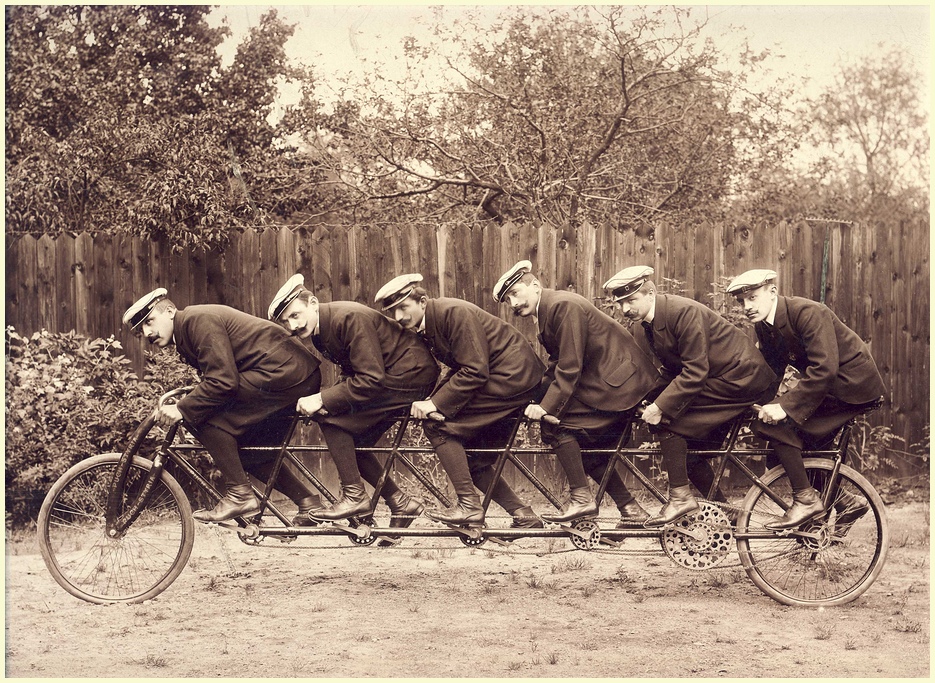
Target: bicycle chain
pixel 495 548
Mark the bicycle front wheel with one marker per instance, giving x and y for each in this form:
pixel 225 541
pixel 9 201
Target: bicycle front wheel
pixel 830 560
pixel 134 567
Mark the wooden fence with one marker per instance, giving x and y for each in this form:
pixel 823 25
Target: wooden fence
pixel 876 276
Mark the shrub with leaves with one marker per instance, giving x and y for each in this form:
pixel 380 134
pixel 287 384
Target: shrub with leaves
pixel 69 397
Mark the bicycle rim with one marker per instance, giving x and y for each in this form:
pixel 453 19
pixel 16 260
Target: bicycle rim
pixel 139 564
pixel 836 562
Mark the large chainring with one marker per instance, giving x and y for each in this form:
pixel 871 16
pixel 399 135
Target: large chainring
pixel 699 541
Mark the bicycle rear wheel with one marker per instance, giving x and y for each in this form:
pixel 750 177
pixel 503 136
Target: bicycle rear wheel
pixel 830 560
pixel 134 567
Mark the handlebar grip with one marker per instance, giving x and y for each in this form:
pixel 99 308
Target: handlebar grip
pixel 435 415
pixel 551 419
pixel 756 406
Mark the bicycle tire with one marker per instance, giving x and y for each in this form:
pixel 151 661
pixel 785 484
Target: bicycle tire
pixel 139 564
pixel 831 567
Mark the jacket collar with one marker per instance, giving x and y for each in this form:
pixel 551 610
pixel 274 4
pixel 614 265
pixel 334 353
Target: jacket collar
pixel 781 321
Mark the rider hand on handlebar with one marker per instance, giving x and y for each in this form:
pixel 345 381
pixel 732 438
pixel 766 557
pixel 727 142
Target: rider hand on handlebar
pixel 536 412
pixel 309 405
pixel 771 413
pixel 652 414
pixel 422 409
pixel 168 415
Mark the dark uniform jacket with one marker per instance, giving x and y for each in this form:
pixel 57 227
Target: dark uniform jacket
pixel 832 358
pixel 703 354
pixel 374 353
pixel 592 357
pixel 486 355
pixel 243 360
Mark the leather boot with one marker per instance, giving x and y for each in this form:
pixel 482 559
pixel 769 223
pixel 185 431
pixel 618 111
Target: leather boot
pixel 581 504
pixel 630 513
pixel 307 506
pixel 849 509
pixel 468 511
pixel 681 503
pixel 354 501
pixel 403 510
pixel 525 518
pixel 238 501
pixel 805 505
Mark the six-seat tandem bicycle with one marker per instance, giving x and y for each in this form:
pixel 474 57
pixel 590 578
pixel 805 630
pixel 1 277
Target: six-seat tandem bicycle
pixel 118 527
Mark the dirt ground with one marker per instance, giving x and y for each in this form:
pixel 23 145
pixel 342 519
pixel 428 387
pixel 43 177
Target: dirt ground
pixel 434 608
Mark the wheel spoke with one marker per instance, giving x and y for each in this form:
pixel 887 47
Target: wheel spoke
pixel 130 567
pixel 829 560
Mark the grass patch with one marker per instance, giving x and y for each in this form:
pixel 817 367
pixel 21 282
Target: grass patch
pixel 823 631
pixel 907 626
pixel 151 662
pixel 575 564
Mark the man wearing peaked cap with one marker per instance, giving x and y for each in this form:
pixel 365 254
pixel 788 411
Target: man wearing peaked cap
pixel 839 380
pixel 384 368
pixel 596 374
pixel 396 290
pixel 252 374
pixel 711 372
pixel 494 374
pixel 628 282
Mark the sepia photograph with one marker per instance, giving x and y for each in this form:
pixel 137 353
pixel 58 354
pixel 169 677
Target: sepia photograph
pixel 467 341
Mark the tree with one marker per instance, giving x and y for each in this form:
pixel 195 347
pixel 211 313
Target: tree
pixel 871 132
pixel 122 119
pixel 613 114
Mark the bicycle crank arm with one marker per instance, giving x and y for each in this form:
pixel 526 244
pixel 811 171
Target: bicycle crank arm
pixel 472 532
pixel 695 534
pixel 571 531
pixel 360 531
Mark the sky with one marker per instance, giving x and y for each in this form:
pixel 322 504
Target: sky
pixel 804 40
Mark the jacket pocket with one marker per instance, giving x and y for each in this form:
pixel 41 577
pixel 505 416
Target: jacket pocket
pixel 617 374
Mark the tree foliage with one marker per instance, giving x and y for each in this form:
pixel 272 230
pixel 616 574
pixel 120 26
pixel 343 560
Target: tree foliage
pixel 871 131
pixel 612 114
pixel 122 119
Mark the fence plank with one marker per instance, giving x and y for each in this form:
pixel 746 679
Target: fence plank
pixel 45 275
pixel 63 282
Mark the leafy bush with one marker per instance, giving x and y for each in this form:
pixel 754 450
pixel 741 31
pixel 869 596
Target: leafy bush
pixel 69 397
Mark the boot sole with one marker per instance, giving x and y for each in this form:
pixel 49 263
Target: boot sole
pixel 655 524
pixel 796 525
pixel 567 520
pixel 245 515
pixel 337 518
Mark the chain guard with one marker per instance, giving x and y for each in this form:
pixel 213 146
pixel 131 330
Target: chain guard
pixel 699 541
